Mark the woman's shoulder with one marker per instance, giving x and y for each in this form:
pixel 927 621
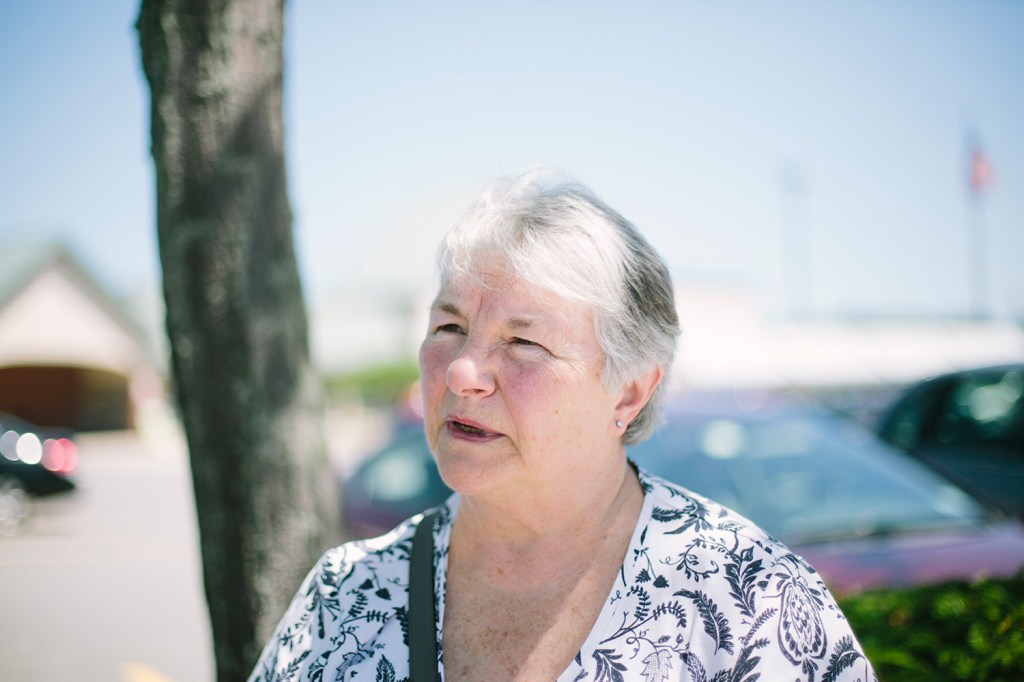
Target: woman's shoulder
pixel 710 545
pixel 676 510
pixel 355 596
pixel 671 499
pixel 392 547
pixel 710 586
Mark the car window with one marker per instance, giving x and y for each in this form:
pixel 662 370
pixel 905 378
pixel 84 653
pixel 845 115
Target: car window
pixel 913 418
pixel 804 477
pixel 984 408
pixel 399 481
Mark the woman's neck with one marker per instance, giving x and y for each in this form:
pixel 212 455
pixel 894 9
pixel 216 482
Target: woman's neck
pixel 527 537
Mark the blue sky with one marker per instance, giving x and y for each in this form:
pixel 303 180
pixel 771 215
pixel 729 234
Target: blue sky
pixel 683 115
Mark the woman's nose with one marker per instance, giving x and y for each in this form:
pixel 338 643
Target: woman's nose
pixel 468 376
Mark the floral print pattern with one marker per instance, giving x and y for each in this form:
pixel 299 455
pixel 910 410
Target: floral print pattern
pixel 703 595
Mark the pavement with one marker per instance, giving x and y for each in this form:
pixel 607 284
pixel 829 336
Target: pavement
pixel 104 583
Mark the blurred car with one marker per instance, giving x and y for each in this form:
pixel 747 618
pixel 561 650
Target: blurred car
pixel 860 511
pixel 397 482
pixel 969 425
pixel 33 462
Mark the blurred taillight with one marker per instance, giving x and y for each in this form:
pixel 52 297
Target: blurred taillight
pixel 53 454
pixel 60 455
pixel 70 455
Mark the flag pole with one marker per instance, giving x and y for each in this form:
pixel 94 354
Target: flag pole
pixel 979 271
pixel 979 181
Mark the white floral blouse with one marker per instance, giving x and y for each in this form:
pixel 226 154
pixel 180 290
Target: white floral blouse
pixel 703 595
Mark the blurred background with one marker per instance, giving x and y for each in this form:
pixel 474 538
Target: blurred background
pixel 836 189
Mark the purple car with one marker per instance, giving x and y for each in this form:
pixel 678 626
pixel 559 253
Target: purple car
pixel 860 511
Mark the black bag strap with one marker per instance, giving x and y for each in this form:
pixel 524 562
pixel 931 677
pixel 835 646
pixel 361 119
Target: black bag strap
pixel 422 616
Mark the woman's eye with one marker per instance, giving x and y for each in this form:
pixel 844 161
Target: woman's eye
pixel 450 328
pixel 519 341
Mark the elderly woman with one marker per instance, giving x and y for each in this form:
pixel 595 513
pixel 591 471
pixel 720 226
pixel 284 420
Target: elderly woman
pixel 557 558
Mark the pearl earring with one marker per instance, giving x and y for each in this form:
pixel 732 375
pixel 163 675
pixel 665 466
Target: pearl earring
pixel 618 423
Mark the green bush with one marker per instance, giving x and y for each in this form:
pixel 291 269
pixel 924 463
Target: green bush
pixel 950 631
pixel 379 385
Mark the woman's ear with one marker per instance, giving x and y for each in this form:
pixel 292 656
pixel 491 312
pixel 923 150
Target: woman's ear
pixel 636 393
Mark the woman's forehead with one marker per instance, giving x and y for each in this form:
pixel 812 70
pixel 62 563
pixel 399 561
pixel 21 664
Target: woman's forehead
pixel 521 304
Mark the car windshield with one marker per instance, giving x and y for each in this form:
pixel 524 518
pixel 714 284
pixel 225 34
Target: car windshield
pixel 804 476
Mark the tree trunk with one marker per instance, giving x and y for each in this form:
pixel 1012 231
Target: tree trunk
pixel 249 399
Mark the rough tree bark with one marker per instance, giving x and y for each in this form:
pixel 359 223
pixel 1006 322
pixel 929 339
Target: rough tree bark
pixel 235 317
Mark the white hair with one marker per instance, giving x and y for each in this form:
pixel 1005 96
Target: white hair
pixel 555 234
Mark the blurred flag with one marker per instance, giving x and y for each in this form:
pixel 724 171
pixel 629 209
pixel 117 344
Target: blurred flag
pixel 980 170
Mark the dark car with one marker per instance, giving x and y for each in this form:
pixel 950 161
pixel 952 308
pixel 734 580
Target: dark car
pixel 33 462
pixel 969 425
pixel 863 513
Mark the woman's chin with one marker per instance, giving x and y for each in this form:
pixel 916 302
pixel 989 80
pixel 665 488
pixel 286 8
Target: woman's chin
pixel 472 475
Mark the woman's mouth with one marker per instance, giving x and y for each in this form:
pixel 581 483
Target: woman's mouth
pixel 467 430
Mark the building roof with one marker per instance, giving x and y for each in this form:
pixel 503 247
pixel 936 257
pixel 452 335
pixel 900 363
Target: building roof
pixel 91 327
pixel 20 264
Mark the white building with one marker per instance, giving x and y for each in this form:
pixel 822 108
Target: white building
pixel 69 355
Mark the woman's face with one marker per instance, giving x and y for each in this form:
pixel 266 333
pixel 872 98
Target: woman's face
pixel 513 398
